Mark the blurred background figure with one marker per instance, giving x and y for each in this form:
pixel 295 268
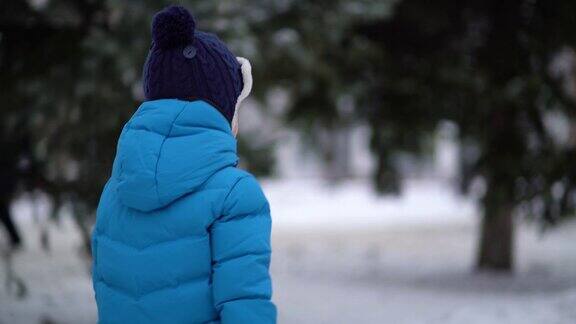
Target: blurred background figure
pixel 17 170
pixel 8 180
pixel 419 156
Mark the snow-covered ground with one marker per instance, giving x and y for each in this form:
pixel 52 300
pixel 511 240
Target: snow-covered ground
pixel 341 255
pixel 312 204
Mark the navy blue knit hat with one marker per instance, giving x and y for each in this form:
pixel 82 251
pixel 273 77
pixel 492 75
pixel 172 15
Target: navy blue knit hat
pixel 187 64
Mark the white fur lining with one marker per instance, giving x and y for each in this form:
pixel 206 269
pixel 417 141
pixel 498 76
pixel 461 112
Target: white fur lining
pixel 246 70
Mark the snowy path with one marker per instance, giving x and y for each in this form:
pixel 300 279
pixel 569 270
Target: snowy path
pixel 344 256
pixel 421 277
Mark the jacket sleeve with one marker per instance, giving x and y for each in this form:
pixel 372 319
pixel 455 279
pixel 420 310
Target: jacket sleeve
pixel 240 241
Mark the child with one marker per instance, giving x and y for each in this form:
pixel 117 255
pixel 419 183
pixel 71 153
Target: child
pixel 182 235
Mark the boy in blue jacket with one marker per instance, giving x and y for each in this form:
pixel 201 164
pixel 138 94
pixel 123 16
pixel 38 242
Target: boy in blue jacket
pixel 182 235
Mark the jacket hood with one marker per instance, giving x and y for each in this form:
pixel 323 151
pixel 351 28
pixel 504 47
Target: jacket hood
pixel 168 149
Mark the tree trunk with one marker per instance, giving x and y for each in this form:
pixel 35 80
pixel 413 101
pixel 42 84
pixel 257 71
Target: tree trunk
pixel 496 246
pixel 386 179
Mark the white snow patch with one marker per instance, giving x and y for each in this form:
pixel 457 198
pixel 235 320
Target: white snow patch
pixel 312 203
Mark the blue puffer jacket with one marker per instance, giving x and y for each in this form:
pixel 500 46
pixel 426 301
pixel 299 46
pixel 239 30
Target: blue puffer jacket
pixel 182 235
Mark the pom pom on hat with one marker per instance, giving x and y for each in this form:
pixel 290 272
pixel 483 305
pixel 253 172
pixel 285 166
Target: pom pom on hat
pixel 172 27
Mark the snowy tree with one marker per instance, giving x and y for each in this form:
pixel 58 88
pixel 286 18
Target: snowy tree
pixel 503 72
pixel 71 77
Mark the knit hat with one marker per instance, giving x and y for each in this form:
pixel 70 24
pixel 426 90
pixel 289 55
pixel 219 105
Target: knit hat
pixel 187 64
